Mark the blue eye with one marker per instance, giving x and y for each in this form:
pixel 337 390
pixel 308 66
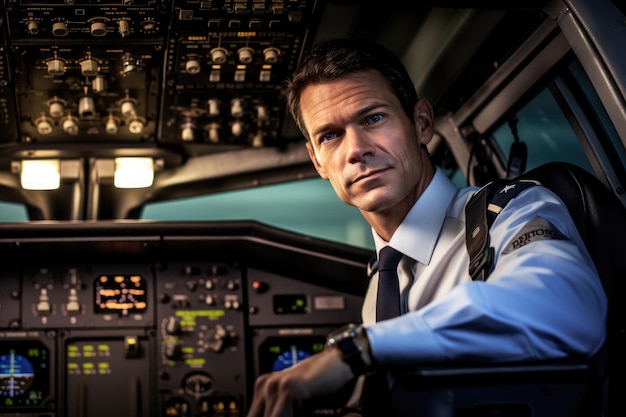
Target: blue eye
pixel 328 136
pixel 374 118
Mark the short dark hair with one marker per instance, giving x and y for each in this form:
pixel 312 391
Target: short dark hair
pixel 333 59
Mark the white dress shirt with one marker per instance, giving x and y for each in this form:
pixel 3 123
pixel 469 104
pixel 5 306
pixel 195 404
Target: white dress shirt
pixel 542 300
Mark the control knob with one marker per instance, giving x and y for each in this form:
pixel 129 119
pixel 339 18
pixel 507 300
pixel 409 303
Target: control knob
pixel 98 29
pixel 219 338
pixel 123 27
pixel 32 27
pixel 246 55
pixel 271 55
pixel 219 55
pixel 172 325
pixel 193 66
pixel 70 125
pixel 56 67
pixel 44 125
pixel 89 67
pixel 172 350
pixel 60 29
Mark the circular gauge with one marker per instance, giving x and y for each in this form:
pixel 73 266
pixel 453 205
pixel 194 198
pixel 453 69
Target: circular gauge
pixel 281 352
pixel 24 374
pixel 16 375
pixel 197 384
pixel 289 358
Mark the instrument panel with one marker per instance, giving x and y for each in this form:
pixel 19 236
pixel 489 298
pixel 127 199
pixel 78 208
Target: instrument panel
pixel 168 320
pixel 149 72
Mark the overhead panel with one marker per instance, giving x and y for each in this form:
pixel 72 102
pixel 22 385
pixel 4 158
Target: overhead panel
pixel 149 71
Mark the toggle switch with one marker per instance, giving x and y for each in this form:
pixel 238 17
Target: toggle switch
pixel 132 348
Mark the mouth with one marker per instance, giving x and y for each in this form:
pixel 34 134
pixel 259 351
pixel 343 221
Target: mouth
pixel 368 175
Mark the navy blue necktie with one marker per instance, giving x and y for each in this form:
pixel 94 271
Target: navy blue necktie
pixel 388 298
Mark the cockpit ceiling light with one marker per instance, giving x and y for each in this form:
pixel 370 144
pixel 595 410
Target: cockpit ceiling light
pixel 40 174
pixel 133 172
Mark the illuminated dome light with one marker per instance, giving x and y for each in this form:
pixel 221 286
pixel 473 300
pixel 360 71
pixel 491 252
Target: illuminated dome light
pixel 133 172
pixel 42 174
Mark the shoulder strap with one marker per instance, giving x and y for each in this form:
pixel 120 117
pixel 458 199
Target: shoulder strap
pixel 480 213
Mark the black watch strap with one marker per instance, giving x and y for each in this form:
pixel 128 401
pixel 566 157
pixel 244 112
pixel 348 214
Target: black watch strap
pixel 352 341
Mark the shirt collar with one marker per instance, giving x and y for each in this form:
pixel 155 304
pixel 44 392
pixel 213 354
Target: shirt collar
pixel 417 234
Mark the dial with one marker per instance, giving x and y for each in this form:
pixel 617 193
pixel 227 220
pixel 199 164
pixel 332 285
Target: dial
pixel 24 374
pixel 16 375
pixel 281 352
pixel 197 384
pixel 289 358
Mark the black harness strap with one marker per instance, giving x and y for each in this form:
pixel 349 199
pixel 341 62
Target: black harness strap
pixel 480 213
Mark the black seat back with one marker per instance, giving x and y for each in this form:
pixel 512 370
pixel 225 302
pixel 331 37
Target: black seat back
pixel 601 220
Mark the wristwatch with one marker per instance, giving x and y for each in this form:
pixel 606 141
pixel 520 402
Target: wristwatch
pixel 354 345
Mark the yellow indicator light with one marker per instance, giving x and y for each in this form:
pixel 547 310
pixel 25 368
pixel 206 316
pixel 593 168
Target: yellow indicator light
pixel 195 362
pixel 192 315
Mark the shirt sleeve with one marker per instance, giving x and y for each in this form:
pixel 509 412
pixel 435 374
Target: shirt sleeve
pixel 542 300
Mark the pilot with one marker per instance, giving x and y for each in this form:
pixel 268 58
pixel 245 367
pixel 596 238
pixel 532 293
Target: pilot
pixel 367 132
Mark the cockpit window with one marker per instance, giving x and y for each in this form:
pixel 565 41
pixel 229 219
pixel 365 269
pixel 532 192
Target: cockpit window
pixel 12 212
pixel 309 206
pixel 548 136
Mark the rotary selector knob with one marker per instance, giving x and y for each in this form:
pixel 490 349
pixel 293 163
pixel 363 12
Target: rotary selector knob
pixel 98 29
pixel 271 55
pixel 89 67
pixel 56 67
pixel 219 55
pixel 60 29
pixel 32 28
pixel 193 66
pixel 246 55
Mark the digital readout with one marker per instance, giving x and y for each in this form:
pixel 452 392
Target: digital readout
pixel 120 293
pixel 290 304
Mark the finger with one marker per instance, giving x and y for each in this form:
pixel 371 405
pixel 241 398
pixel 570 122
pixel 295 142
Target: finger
pixel 282 403
pixel 257 407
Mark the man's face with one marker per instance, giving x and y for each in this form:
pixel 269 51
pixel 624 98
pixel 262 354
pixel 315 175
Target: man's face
pixel 363 142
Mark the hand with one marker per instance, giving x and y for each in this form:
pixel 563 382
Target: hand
pixel 281 394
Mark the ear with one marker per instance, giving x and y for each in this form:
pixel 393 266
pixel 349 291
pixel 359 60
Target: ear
pixel 424 121
pixel 318 167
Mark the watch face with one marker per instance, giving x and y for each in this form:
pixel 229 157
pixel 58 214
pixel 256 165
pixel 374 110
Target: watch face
pixel 345 332
pixel 352 342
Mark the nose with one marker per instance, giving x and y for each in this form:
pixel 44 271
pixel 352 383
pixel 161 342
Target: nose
pixel 359 145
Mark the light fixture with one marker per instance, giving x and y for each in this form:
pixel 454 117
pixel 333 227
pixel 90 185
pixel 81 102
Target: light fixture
pixel 133 172
pixel 40 174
